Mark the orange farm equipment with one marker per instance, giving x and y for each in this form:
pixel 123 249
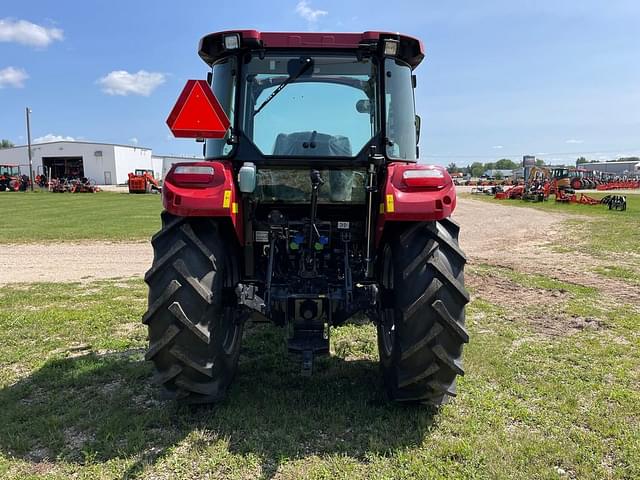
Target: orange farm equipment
pixel 614 202
pixel 143 181
pixel 74 185
pixel 513 193
pixel 620 185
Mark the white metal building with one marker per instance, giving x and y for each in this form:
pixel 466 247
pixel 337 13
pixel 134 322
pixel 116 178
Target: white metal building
pixel 165 162
pixel 105 163
pixel 618 167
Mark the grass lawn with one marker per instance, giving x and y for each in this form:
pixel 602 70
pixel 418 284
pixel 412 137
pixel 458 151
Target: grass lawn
pixel 75 398
pixel 43 216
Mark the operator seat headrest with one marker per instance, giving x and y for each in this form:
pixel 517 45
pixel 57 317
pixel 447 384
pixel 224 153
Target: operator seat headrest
pixel 299 144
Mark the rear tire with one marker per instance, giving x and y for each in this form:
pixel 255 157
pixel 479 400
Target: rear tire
pixel 194 336
pixel 421 326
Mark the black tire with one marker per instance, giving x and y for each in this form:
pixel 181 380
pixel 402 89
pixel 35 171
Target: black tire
pixel 421 326
pixel 194 327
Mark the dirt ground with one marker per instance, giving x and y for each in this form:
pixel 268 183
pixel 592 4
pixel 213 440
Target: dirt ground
pixel 71 262
pixel 521 239
pixel 514 238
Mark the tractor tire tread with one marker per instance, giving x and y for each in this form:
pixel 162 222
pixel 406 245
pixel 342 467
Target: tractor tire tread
pixel 428 307
pixel 189 323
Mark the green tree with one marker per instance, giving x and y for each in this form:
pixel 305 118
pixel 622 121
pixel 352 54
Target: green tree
pixel 581 160
pixel 4 143
pixel 453 168
pixel 506 164
pixel 498 176
pixel 539 162
pixel 477 169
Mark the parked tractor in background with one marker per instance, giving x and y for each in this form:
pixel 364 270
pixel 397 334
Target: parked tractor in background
pixel 309 208
pixel 142 181
pixel 11 180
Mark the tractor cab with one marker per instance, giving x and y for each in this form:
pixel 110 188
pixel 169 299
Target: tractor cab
pixel 10 177
pixel 9 170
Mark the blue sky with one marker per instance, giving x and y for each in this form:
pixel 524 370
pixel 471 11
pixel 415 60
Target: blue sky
pixel 501 78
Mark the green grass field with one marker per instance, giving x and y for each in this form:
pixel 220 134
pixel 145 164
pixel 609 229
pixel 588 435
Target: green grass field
pixel 76 400
pixel 551 391
pixel 43 216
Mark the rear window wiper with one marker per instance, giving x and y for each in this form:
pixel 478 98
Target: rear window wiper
pixel 307 63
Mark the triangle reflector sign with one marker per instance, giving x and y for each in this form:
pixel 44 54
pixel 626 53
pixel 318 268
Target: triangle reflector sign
pixel 197 113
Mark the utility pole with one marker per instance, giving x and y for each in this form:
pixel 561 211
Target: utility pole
pixel 29 147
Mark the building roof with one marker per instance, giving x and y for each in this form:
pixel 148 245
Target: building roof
pixel 186 157
pixel 79 142
pixel 614 162
pixel 493 173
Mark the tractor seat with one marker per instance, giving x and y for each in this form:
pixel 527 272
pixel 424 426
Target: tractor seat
pixel 312 144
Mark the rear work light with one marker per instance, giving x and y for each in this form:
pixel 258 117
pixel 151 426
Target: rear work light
pixel 427 177
pixel 391 47
pixel 192 174
pixel 232 42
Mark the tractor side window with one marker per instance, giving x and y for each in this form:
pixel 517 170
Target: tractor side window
pixel 224 88
pixel 400 118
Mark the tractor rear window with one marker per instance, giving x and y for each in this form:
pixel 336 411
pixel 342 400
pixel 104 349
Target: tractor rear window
pixel 318 106
pixel 281 185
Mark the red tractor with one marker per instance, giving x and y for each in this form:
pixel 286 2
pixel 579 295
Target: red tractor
pixel 309 207
pixel 11 180
pixel 142 181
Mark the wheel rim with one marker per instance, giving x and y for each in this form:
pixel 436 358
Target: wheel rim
pixel 387 324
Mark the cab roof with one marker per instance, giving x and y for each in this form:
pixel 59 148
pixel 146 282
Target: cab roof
pixel 212 47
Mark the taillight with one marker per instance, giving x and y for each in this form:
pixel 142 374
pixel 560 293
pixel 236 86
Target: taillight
pixel 191 175
pixel 424 177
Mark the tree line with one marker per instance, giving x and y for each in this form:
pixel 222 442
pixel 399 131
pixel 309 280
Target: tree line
pixel 477 169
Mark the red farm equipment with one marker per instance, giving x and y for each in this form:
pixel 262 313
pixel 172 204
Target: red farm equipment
pixel 309 208
pixel 11 180
pixel 619 184
pixel 142 181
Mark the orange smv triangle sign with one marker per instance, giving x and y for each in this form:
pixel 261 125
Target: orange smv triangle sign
pixel 197 113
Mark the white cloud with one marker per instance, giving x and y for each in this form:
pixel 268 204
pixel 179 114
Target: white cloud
pixel 12 77
pixel 133 140
pixel 27 33
pixel 574 141
pixel 50 137
pixel 121 82
pixel 498 147
pixel 303 8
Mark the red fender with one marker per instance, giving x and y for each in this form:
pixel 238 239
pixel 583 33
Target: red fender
pixel 209 192
pixel 415 193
